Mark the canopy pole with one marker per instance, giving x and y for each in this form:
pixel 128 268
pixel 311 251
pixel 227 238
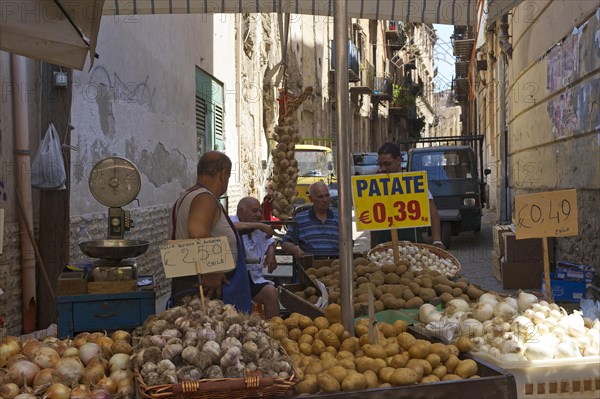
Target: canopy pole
pixel 340 44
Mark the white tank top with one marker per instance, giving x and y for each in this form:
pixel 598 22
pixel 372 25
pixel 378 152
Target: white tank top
pixel 221 228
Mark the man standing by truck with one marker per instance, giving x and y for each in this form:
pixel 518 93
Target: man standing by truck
pixel 390 161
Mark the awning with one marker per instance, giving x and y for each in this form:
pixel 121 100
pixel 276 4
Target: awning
pixel 61 32
pixel 453 12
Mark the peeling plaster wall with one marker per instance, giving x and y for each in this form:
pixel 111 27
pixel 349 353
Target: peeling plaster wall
pixel 138 102
pixel 553 118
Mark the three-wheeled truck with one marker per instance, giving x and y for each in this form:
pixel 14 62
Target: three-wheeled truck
pixel 456 177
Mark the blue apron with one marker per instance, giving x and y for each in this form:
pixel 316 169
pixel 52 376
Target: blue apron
pixel 237 292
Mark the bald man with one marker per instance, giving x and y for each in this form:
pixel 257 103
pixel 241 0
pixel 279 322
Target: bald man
pixel 259 247
pixel 317 227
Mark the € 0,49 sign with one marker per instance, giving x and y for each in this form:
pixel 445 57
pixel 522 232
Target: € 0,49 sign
pixel 550 214
pixel 190 257
pixel 396 200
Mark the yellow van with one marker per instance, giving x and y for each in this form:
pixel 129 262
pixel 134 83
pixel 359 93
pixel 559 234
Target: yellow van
pixel 315 163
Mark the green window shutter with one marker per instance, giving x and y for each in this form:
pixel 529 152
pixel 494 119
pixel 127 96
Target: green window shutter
pixel 210 115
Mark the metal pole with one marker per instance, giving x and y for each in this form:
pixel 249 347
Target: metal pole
pixel 340 23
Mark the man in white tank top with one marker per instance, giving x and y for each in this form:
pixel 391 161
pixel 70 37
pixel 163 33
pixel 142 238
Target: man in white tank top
pixel 198 214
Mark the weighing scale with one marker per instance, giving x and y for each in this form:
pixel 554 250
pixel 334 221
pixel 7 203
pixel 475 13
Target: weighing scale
pixel 115 182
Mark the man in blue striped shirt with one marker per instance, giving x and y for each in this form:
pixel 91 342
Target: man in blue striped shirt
pixel 317 228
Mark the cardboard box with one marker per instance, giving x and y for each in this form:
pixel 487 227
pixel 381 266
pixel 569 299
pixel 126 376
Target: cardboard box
pixel 564 290
pixel 524 275
pixel 526 250
pixel 576 272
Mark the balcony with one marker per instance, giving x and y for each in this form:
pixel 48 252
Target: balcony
pixel 394 34
pixel 366 83
pixel 462 69
pixel 463 40
pixel 382 88
pixel 353 61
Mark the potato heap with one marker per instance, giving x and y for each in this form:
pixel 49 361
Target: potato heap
pixel 92 365
pixel 393 286
pixel 285 166
pixel 328 359
pixel 186 343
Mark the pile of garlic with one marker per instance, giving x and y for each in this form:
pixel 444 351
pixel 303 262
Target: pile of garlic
pixel 417 258
pixel 186 343
pixel 285 168
pixel 511 329
pixel 285 165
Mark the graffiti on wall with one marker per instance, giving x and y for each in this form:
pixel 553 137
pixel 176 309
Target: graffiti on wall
pixel 120 89
pixel 575 109
pixel 561 72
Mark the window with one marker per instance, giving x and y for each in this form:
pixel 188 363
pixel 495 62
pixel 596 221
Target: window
pixel 210 115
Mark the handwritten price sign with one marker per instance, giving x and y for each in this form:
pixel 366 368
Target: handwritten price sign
pixel 187 257
pixel 550 214
pixel 397 200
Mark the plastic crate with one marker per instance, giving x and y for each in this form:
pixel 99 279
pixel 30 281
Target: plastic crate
pixel 555 378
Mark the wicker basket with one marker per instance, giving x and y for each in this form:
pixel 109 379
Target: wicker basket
pixel 252 386
pixel 434 250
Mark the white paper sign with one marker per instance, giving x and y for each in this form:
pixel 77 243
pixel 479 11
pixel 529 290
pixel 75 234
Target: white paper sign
pixel 190 257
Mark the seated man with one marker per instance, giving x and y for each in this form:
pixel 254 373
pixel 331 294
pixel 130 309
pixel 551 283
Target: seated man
pixel 260 252
pixel 317 228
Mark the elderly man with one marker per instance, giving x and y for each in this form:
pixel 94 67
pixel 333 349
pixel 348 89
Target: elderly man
pixel 390 161
pixel 197 213
pixel 260 252
pixel 317 228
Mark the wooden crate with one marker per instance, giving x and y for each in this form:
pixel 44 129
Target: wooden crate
pixel 111 287
pixel 71 283
pixel 498 236
pixel 497 265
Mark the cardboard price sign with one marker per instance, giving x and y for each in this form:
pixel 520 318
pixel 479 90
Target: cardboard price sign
pixel 549 214
pixel 190 257
pixel 391 201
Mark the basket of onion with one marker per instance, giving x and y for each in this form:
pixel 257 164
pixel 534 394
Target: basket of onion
pixel 213 351
pixel 90 366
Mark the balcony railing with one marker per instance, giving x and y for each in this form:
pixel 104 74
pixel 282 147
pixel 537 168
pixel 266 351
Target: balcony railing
pixel 382 88
pixel 394 34
pixel 366 83
pixel 353 61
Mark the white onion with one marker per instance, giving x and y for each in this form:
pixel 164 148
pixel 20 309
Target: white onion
pixel 525 300
pixel 120 361
pixel 88 351
pixel 69 369
pixel 22 372
pixel 46 357
pixel 483 311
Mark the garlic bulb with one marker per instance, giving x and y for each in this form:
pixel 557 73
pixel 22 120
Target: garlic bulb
pixel 525 300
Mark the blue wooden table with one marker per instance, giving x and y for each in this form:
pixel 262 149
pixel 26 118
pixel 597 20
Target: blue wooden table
pixel 99 312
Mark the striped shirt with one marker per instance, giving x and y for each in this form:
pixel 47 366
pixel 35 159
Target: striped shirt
pixel 317 238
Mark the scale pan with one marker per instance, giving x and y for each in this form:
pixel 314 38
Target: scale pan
pixel 114 249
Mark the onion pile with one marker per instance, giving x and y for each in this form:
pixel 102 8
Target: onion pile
pixel 63 369
pixel 285 166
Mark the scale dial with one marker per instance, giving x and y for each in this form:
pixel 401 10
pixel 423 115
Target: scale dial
pixel 115 181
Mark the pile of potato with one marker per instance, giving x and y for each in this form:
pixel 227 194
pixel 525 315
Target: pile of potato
pixel 328 359
pixel 393 286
